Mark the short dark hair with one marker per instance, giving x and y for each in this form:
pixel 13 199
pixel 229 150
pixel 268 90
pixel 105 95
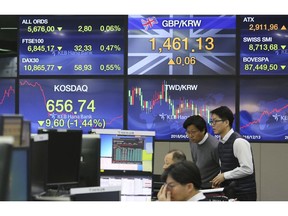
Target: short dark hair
pixel 224 113
pixel 196 120
pixel 184 172
pixel 177 155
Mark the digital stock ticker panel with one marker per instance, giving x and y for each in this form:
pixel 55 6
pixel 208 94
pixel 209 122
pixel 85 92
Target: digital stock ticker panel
pixel 146 72
pixel 59 106
pixel 181 45
pixel 71 45
pixel 163 105
pixel 263 45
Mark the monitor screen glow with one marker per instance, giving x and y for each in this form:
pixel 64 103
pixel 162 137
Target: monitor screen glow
pixel 133 187
pixel 126 152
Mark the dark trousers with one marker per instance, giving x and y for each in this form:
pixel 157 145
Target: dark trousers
pixel 247 197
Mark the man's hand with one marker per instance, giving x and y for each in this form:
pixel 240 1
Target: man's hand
pixel 164 194
pixel 218 180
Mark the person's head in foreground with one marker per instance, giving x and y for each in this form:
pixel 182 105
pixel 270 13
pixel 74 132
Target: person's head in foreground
pixel 183 182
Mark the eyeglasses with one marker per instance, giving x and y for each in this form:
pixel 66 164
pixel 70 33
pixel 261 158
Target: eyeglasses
pixel 191 132
pixel 171 185
pixel 213 122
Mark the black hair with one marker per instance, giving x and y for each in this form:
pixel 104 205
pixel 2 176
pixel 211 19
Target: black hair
pixel 224 113
pixel 196 120
pixel 184 172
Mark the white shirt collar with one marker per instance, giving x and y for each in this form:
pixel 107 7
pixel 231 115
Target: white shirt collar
pixel 198 196
pixel 226 137
pixel 204 139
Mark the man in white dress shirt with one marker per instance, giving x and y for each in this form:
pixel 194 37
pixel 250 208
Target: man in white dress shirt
pixel 235 155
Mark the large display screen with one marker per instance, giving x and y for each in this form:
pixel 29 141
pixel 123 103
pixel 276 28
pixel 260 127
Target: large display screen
pixel 163 105
pixel 7 96
pixel 72 45
pixel 181 45
pixel 72 103
pixel 263 45
pixel 264 109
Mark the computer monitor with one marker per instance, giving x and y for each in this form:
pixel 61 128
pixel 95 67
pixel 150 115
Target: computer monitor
pixel 90 161
pixel 5 159
pixel 11 125
pixel 38 163
pixel 96 194
pixel 134 187
pixel 19 175
pixel 64 154
pixel 126 150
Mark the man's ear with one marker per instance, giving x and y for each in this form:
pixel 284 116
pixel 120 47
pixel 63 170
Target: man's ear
pixel 190 186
